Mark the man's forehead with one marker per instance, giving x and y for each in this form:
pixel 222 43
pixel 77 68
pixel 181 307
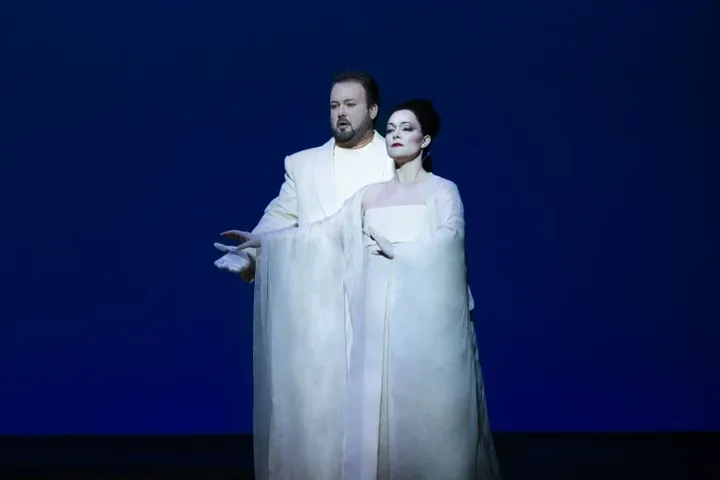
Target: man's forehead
pixel 347 90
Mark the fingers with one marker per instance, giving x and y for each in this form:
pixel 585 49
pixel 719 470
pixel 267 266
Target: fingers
pixel 224 248
pixel 247 239
pixel 377 236
pixel 239 249
pixel 371 232
pixel 387 248
pixel 236 235
pixel 383 253
pixel 227 267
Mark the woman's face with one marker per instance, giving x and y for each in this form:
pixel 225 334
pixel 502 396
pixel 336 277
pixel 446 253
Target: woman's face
pixel 403 137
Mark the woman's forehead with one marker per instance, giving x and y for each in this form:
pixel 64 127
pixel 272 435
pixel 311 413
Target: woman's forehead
pixel 402 116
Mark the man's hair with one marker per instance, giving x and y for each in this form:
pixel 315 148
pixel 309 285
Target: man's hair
pixel 372 89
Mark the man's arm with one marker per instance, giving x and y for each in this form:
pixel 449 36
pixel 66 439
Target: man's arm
pixel 281 212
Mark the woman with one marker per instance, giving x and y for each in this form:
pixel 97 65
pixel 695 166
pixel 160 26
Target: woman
pixel 398 349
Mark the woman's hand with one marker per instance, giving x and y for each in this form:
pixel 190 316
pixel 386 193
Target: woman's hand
pixel 236 260
pixel 385 247
pixel 249 240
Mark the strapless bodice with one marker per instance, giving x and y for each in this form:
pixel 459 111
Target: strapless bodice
pixel 399 223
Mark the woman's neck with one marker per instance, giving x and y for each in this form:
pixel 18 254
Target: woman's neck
pixel 411 172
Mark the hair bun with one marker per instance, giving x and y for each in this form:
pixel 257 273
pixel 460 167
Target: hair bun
pixel 423 109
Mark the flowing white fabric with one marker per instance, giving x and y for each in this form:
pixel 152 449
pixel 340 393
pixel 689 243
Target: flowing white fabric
pixel 366 367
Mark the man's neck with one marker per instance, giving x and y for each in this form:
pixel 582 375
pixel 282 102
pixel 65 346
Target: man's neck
pixel 411 172
pixel 365 141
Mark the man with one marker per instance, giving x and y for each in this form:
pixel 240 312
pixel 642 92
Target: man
pixel 320 179
pixel 303 437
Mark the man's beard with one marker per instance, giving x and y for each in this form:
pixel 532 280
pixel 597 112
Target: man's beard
pixel 352 136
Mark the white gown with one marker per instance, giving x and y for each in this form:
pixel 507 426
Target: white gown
pixel 366 367
pixel 399 224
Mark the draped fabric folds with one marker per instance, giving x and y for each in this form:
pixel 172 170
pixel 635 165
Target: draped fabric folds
pixel 318 354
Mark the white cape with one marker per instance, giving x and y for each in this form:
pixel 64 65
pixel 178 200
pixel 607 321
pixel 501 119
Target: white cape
pixel 317 379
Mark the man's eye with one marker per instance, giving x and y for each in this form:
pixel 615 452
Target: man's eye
pixel 350 104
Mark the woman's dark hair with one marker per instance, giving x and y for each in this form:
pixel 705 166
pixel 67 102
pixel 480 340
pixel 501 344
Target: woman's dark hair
pixel 429 121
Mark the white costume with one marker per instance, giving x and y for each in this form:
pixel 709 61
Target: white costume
pixel 319 180
pixel 367 367
pixel 364 367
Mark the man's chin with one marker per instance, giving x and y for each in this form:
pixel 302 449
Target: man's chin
pixel 344 137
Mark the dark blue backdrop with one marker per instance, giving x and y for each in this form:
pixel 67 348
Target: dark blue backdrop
pixel 133 134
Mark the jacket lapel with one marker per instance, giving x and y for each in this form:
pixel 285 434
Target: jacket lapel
pixel 325 180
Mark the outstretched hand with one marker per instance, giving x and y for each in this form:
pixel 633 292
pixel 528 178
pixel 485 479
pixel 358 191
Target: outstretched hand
pixel 236 260
pixel 248 239
pixel 385 247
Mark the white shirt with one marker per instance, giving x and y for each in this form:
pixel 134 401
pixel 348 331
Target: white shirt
pixel 350 167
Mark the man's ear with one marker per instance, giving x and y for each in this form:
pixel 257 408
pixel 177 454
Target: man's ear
pixel 373 112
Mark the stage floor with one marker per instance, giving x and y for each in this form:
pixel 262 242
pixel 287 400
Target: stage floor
pixel 522 456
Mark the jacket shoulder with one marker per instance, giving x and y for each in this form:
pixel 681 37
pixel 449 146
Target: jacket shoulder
pixel 307 153
pixel 297 162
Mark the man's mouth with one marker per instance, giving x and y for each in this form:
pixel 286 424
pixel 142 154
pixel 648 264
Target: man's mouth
pixel 396 144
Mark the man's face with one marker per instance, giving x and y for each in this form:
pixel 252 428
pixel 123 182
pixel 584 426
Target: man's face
pixel 350 117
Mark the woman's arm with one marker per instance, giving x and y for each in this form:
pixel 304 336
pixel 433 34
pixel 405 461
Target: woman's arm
pixel 331 225
pixel 450 211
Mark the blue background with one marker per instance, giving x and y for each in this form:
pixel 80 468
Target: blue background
pixel 133 133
